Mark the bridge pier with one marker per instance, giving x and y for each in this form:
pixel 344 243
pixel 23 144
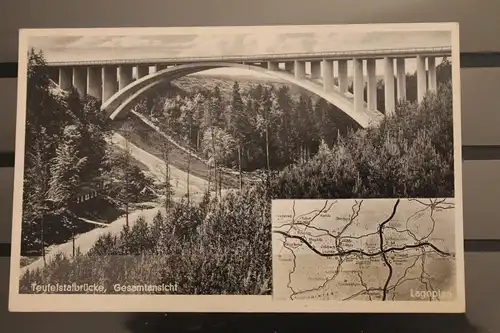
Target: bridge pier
pixel 273 66
pixel 80 80
pixel 421 78
pixel 371 92
pixel 389 85
pixel 299 69
pixel 65 78
pixel 358 85
pixel 142 71
pixel 54 74
pixel 431 63
pixel 125 76
pixel 161 67
pixel 401 78
pixel 327 74
pixel 94 82
pixel 109 82
pixel 289 66
pixel 316 70
pixel 342 69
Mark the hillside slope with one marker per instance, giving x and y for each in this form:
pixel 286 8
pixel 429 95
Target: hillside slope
pixel 178 158
pixel 193 83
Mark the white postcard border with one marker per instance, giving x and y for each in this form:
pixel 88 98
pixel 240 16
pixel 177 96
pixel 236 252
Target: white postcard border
pixel 223 303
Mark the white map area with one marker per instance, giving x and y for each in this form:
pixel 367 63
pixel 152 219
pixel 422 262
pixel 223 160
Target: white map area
pixel 364 249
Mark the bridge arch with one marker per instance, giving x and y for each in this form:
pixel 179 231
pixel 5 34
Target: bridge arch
pixel 118 105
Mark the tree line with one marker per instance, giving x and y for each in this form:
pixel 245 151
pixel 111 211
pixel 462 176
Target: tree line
pixel 265 126
pixel 410 154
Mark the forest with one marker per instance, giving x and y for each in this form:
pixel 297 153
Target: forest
pixel 265 128
pixel 257 126
pixel 67 155
pixel 303 146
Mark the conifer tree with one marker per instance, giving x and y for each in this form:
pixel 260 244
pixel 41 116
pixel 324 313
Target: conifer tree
pixel 238 124
pixel 66 176
pixel 164 148
pixel 264 123
pixel 36 185
pixel 286 133
pixel 187 119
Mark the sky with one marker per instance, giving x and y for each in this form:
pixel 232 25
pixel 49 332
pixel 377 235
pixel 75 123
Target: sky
pixel 173 43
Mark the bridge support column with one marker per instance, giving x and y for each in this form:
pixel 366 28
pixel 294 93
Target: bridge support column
pixel 421 78
pixel 289 66
pixel 161 67
pixel 389 85
pixel 431 63
pixel 401 78
pixel 299 69
pixel 54 74
pixel 80 79
pixel 65 78
pixel 327 74
pixel 142 71
pixel 109 82
pixel 94 82
pixel 342 64
pixel 125 76
pixel 371 92
pixel 358 85
pixel 316 70
pixel 273 66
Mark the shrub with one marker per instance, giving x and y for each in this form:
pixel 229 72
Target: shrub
pixel 409 155
pixel 218 247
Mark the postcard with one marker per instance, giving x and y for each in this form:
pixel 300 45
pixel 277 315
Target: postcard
pixel 239 169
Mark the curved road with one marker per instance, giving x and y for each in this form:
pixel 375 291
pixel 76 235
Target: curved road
pixel 87 240
pixel 197 185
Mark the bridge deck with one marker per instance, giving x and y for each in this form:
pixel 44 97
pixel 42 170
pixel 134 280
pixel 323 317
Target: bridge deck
pixel 331 55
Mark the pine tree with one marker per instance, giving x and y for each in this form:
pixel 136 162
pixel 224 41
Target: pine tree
pixel 216 106
pixel 187 119
pixel 123 167
pixel 238 124
pixel 264 123
pixel 286 133
pixel 218 146
pixel 275 119
pixel 66 176
pixel 210 129
pixel 36 185
pixel 304 118
pixel 164 148
pixel 198 116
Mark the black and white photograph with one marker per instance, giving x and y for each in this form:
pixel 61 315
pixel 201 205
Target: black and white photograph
pixel 267 168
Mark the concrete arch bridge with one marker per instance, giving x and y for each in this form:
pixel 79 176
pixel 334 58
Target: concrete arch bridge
pixel 120 83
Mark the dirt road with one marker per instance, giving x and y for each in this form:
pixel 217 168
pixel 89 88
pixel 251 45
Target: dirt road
pixel 85 241
pixel 197 185
pixel 156 166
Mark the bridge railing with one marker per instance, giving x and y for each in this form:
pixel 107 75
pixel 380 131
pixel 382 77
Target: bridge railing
pixel 443 50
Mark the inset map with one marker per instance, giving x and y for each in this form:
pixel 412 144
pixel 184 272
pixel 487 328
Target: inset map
pixel 364 249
